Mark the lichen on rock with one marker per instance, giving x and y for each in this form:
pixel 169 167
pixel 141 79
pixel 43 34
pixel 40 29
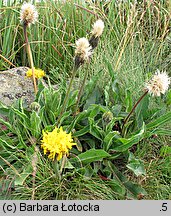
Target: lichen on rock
pixel 14 85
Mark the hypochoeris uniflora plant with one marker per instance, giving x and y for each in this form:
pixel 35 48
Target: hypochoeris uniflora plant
pixel 28 16
pixel 96 32
pixel 158 85
pixel 82 54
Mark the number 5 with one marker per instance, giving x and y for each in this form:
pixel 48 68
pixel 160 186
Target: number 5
pixel 164 207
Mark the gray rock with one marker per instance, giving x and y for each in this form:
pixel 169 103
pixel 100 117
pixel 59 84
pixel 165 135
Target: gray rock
pixel 14 85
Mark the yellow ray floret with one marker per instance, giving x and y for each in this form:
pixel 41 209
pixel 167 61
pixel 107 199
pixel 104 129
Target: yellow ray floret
pixel 57 143
pixel 38 73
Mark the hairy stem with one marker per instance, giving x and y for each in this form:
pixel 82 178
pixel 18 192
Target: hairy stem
pixel 134 107
pixel 63 164
pixel 67 95
pixel 30 57
pixel 81 91
pixel 34 166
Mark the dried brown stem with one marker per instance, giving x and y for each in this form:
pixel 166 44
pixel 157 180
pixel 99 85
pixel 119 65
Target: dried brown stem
pixel 5 59
pixel 83 8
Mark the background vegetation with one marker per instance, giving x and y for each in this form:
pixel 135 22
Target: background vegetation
pixel 136 41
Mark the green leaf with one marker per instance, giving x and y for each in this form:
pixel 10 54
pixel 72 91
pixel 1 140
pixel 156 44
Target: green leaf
pixel 117 187
pixel 159 121
pixel 4 144
pixel 82 131
pixel 95 130
pixel 110 68
pixel 136 165
pixel 165 151
pixel 110 125
pixel 116 91
pixel 89 171
pixel 35 123
pixel 51 115
pixel 55 101
pixel 90 156
pixel 21 143
pixel 91 92
pixel 168 97
pixel 125 144
pixel 65 116
pixel 82 115
pixel 94 111
pixel 106 94
pixel 68 165
pixel 94 98
pixel 4 110
pixel 128 100
pixel 158 131
pixel 108 139
pixel 72 98
pixel 116 109
pixel 141 111
pixel 20 114
pixel 7 124
pixel 133 190
pixel 19 180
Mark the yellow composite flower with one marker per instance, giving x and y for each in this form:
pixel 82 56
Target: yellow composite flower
pixel 57 143
pixel 38 73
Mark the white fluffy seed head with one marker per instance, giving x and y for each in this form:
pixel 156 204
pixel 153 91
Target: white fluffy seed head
pixel 83 49
pixel 159 83
pixel 98 28
pixel 28 14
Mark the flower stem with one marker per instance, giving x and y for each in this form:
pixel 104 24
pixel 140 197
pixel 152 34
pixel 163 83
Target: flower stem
pixel 134 107
pixel 67 95
pixel 63 164
pixel 34 166
pixel 56 169
pixel 81 91
pixel 30 57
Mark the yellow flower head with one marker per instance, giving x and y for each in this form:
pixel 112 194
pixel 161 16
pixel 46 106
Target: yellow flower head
pixel 57 143
pixel 38 73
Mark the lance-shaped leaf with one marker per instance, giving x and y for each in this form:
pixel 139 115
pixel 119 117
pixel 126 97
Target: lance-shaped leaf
pixel 134 191
pixel 125 144
pixel 90 156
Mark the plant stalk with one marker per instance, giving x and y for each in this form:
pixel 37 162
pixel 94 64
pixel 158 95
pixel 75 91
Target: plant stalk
pixel 30 57
pixel 67 95
pixel 134 107
pixel 34 166
pixel 63 164
pixel 81 91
